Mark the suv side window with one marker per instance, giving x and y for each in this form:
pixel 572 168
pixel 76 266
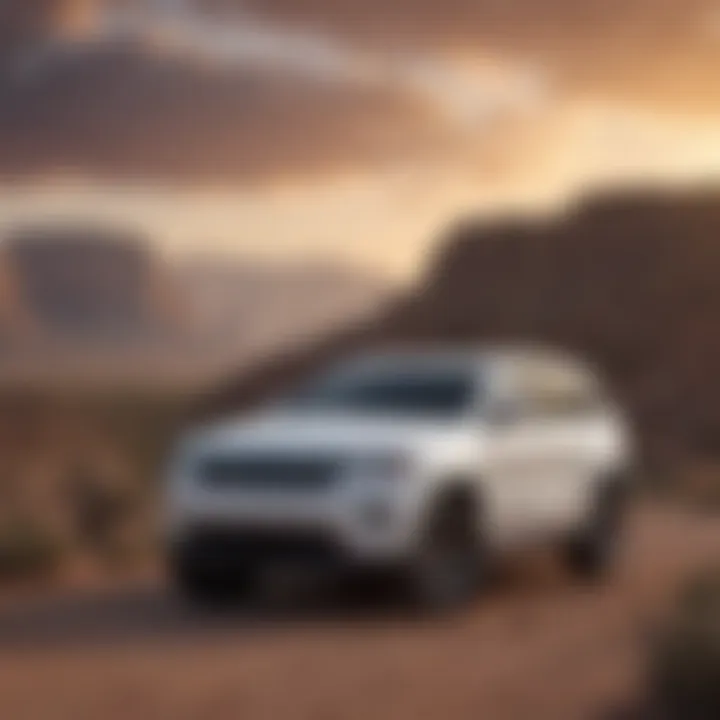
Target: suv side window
pixel 557 392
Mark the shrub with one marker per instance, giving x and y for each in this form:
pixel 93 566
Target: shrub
pixel 685 670
pixel 27 550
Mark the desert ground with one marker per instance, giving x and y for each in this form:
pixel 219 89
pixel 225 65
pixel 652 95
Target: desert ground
pixel 537 645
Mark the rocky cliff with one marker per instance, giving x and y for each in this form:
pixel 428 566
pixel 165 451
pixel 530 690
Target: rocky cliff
pixel 631 281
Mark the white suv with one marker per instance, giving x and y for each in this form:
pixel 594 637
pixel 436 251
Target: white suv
pixel 417 465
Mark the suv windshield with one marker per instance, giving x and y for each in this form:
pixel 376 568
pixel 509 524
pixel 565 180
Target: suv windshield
pixel 433 393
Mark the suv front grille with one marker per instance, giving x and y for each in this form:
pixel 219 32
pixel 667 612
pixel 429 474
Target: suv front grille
pixel 269 472
pixel 245 546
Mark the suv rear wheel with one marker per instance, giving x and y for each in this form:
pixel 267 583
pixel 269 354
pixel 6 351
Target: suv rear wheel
pixel 591 552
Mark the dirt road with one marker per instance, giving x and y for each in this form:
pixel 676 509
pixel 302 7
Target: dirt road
pixel 536 647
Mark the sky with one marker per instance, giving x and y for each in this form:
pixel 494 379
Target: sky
pixel 362 150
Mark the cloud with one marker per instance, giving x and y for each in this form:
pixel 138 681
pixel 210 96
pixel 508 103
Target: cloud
pixel 466 93
pixel 129 112
pixel 181 95
pixel 661 53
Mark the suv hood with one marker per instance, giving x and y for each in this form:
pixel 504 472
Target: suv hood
pixel 334 432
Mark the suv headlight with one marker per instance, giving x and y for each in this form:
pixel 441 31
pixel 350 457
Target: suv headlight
pixel 377 481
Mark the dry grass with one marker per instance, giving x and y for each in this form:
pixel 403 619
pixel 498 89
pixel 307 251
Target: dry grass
pixel 79 476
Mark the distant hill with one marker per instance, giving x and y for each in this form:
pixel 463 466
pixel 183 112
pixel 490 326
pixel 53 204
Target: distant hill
pixel 249 304
pixel 628 281
pixel 90 283
pixel 75 299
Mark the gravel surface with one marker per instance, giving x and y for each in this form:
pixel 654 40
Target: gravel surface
pixel 536 646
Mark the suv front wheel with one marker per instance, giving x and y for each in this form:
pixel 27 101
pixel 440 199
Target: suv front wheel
pixel 448 565
pixel 209 587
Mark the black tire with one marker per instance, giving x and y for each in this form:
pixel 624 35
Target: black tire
pixel 592 552
pixel 449 564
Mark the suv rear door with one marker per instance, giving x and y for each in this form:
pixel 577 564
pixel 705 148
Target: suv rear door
pixel 563 409
pixel 539 457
